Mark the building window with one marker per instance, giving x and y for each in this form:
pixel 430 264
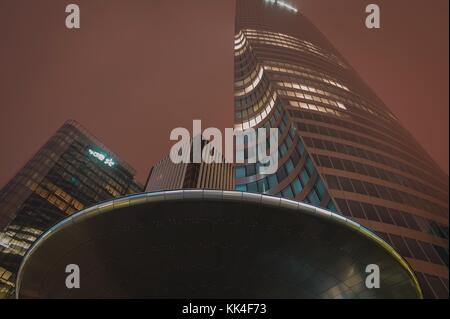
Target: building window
pixel 287 193
pixel 240 172
pixel 297 186
pixel 273 182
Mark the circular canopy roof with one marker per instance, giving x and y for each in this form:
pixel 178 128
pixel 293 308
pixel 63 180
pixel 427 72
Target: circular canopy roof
pixel 211 244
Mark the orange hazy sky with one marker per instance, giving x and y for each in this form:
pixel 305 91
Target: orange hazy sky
pixel 137 69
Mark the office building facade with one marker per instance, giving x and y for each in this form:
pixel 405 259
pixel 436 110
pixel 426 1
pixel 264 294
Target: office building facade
pixel 340 147
pixel 72 171
pixel 167 175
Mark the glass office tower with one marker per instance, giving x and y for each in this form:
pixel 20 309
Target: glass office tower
pixel 72 171
pixel 340 147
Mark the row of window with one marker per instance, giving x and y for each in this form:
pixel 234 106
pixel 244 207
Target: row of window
pixel 369 156
pixel 238 55
pixel 380 134
pixel 271 181
pixel 66 205
pixel 375 172
pixel 247 102
pixel 258 118
pixel 311 98
pixel 34 217
pixel 249 88
pixel 317 108
pixel 286 41
pixel 244 64
pixel 313 91
pixel 350 137
pixel 253 168
pixel 374 190
pixel 302 71
pixel 314 197
pixel 284 170
pixel 253 107
pixel 417 249
pixel 433 286
pixel 281 123
pixel 250 77
pixel 392 216
pixel 252 102
pixel 75 182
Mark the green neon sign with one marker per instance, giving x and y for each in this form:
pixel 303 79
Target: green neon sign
pixel 102 158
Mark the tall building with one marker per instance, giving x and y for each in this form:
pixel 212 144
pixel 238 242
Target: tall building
pixel 72 171
pixel 166 175
pixel 340 147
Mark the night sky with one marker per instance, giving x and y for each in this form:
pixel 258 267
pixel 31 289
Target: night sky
pixel 139 68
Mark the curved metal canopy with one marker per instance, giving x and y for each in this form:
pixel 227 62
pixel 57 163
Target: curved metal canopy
pixel 211 244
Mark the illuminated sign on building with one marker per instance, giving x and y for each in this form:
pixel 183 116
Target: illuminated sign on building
pixel 102 157
pixel 283 4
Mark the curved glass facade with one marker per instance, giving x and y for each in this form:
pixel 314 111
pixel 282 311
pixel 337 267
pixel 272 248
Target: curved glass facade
pixel 339 146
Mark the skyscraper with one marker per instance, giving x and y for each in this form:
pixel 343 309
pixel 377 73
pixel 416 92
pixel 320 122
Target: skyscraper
pixel 166 175
pixel 340 147
pixel 72 171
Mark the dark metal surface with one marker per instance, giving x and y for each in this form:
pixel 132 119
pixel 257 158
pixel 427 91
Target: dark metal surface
pixel 211 244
